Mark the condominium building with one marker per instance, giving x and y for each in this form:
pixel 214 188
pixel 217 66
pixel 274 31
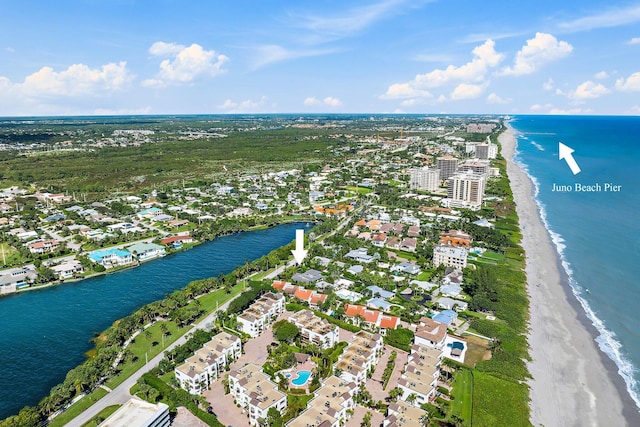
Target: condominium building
pixel 450 256
pixel 137 412
pixel 331 406
pixel 360 355
pixel 401 414
pixel 424 179
pixel 447 165
pixel 261 314
pixel 206 365
pixel 486 151
pixel 480 167
pixel 315 330
pixel 420 375
pixel 254 391
pixel 466 190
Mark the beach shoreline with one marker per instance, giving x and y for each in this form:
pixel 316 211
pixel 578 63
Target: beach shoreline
pixel 574 383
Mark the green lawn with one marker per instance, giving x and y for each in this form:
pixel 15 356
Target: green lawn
pixel 359 190
pixel 103 415
pixel 425 276
pixel 78 407
pixel 11 256
pixel 499 402
pixel 493 256
pixel 463 393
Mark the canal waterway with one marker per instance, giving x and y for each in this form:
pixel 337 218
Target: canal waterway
pixel 45 333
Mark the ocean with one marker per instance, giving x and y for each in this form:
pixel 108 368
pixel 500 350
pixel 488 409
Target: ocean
pixel 593 220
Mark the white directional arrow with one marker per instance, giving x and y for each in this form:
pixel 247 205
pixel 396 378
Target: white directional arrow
pixel 299 253
pixel 565 153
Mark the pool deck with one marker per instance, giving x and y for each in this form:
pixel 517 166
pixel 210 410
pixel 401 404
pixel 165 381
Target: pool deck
pixel 306 366
pixel 447 349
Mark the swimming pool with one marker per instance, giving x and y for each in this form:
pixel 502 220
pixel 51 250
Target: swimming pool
pixel 302 378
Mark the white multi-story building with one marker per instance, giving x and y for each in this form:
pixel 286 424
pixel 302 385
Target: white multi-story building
pixel 430 333
pixel 137 412
pixel 421 373
pixel 424 179
pixel 360 355
pixel 206 365
pixel 480 167
pixel 486 151
pixel 314 329
pixel 450 256
pixel 466 190
pixel 261 314
pixel 253 390
pixel 401 414
pixel 331 405
pixel 447 165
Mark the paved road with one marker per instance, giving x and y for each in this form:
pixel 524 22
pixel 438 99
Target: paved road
pixel 120 394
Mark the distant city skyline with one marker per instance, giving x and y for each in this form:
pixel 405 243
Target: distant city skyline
pixel 85 57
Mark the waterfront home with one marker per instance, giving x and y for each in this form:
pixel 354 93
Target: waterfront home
pixel 430 333
pixel 43 246
pixel 146 251
pixel 359 357
pixel 113 257
pixel 67 269
pixel 261 314
pixel 401 414
pixel 176 241
pixel 207 364
pixel 314 329
pixel 420 375
pixel 16 278
pixel 255 393
pixel 331 406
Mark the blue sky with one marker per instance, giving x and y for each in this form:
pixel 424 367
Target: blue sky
pixel 377 56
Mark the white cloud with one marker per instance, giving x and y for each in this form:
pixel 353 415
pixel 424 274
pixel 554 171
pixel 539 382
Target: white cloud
pixel 469 77
pixel 329 101
pixel 246 106
pixel 405 90
pixel 550 109
pixel 588 90
pixel 467 91
pixel 635 40
pixel 538 51
pixel 268 54
pixel 9 49
pixel 548 85
pixel 186 63
pixel 475 70
pixel 601 75
pixel 634 111
pixel 606 19
pixel 495 99
pixel 78 80
pixel 630 84
pixel 122 111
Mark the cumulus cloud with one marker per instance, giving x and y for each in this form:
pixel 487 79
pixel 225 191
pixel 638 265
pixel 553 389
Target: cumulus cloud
pixel 78 80
pixel 469 77
pixel 601 75
pixel 495 99
pixel 467 91
pixel 634 111
pixel 635 40
pixel 586 90
pixel 329 101
pixel 540 50
pixel 550 109
pixel 548 85
pixel 246 106
pixel 184 64
pixel 630 84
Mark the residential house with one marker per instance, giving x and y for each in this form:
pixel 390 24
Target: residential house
pixel 253 390
pixel 146 251
pixel 361 255
pixel 112 257
pixel 43 246
pixel 430 333
pixel 409 244
pixel 176 241
pixel 67 269
pixel 16 278
pixel 455 238
pixel 309 276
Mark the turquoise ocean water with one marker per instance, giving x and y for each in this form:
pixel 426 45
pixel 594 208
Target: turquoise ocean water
pixel 45 333
pixel 596 234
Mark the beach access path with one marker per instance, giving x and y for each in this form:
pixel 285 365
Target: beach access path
pixel 573 384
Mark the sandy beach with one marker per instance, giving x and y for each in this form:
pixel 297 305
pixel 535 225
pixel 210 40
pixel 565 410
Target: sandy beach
pixel 574 383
